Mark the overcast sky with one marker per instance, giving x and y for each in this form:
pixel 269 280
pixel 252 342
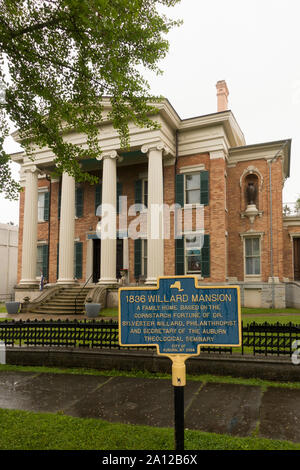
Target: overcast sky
pixel 254 46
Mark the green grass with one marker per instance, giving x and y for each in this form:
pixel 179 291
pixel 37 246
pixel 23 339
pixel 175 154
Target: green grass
pixel 246 319
pixel 255 311
pixel 109 312
pixel 23 430
pixel 3 308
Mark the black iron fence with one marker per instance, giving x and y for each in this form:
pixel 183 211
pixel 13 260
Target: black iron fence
pixel 267 339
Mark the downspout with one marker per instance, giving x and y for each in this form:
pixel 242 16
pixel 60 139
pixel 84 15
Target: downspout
pixel 271 220
pixel 176 150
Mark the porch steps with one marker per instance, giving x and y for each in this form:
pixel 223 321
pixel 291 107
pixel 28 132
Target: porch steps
pixel 64 302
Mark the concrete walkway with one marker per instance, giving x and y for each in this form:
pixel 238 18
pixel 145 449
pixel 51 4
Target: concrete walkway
pixel 239 410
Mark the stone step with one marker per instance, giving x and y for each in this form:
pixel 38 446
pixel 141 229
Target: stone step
pixel 67 299
pixel 58 307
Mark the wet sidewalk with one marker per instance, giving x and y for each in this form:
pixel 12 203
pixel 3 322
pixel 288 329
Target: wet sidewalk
pixel 239 410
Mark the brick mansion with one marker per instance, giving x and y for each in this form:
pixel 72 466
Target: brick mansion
pixel 202 163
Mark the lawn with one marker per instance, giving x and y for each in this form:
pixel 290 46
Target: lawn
pixel 2 308
pixel 23 430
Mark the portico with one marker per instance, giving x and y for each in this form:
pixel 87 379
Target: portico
pixel 106 229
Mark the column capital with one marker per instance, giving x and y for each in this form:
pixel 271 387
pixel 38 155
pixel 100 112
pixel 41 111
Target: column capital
pixel 113 154
pixel 31 169
pixel 146 148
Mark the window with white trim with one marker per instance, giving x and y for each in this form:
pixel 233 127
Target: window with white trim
pixel 193 258
pixel 192 188
pixel 43 206
pixel 252 256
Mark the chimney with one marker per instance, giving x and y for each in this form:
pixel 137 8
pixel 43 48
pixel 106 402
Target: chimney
pixel 222 94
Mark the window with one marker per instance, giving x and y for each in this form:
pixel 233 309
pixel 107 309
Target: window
pixel 79 199
pixel 192 189
pixel 140 258
pixel 252 256
pixel 43 206
pixel 193 246
pixel 42 261
pixel 192 255
pixel 145 192
pixel 141 192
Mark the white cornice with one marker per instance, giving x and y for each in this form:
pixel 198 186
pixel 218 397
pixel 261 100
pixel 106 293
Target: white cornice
pixel 264 151
pixel 291 221
pixel 226 119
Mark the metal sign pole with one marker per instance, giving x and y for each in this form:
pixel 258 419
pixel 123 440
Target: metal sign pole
pixel 179 382
pixel 179 417
pixel 178 316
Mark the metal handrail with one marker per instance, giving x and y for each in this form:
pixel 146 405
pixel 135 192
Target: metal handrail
pixel 80 292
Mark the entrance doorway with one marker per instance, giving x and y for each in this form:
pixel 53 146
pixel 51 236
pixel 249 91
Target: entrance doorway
pixel 297 259
pixel 97 258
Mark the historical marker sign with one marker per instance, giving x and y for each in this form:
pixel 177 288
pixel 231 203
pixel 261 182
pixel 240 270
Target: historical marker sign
pixel 179 317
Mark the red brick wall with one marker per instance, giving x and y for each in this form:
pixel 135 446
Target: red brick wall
pixel 238 225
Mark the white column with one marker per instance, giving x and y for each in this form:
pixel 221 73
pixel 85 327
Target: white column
pixel 29 245
pixel 109 219
pixel 67 230
pixel 155 220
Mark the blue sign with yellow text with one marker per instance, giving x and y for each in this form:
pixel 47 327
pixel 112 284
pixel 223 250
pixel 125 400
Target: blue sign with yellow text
pixel 178 317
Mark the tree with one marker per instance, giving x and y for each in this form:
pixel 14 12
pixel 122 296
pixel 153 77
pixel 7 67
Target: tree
pixel 297 205
pixel 59 58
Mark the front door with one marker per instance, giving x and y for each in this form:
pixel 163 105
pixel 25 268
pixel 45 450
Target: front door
pixel 97 257
pixel 119 256
pixel 297 259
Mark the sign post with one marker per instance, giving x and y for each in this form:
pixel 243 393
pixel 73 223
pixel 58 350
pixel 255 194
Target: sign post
pixel 178 317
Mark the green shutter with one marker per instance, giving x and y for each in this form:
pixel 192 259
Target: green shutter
pixel 119 193
pixel 179 256
pixel 138 192
pixel 98 197
pixel 205 258
pixel 204 188
pixel 79 202
pixel 179 190
pixel 78 260
pixel 137 258
pixel 46 206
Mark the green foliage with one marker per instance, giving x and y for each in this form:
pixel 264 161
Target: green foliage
pixel 63 60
